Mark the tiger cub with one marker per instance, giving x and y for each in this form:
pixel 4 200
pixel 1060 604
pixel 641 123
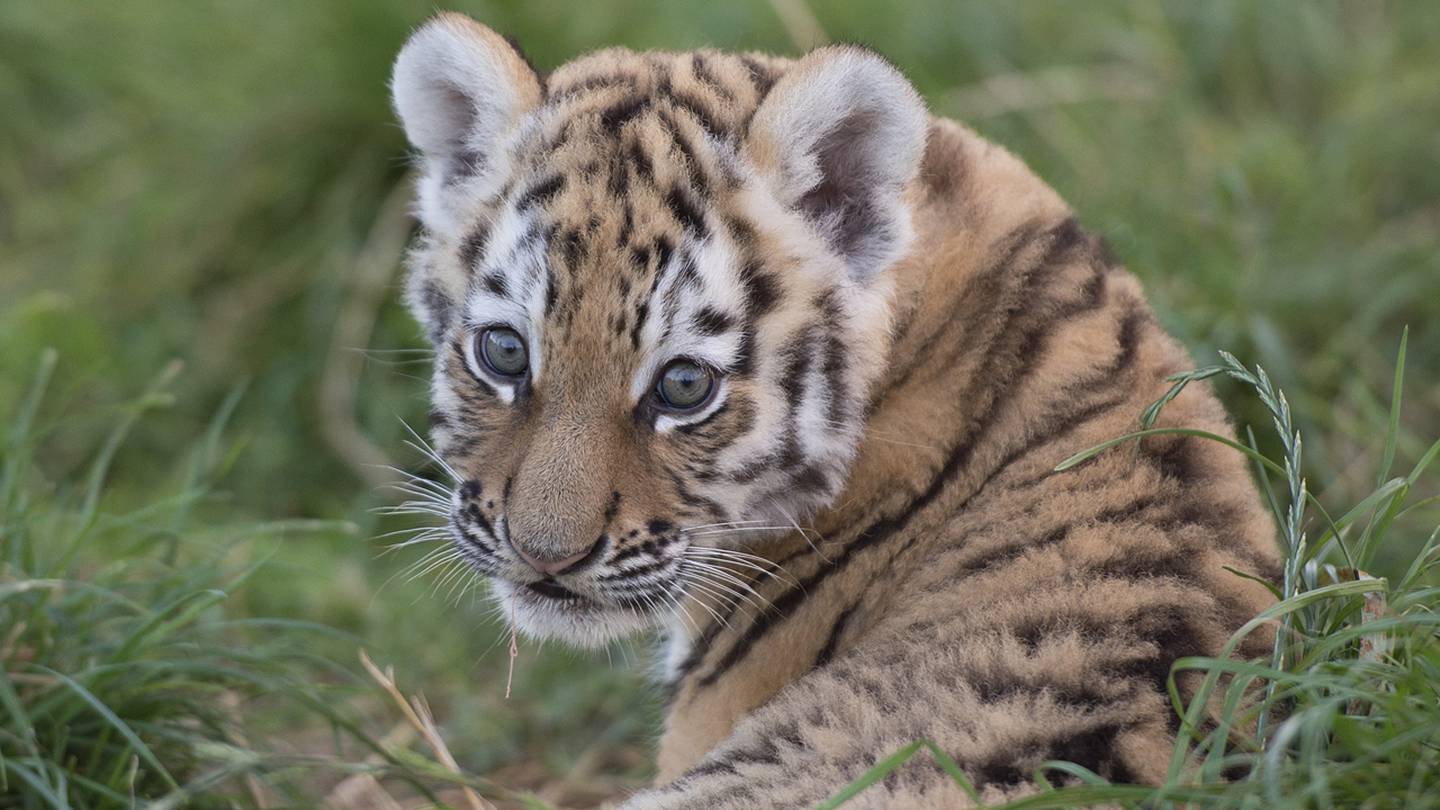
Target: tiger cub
pixel 758 352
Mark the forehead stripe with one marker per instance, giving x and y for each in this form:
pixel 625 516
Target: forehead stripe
pixel 495 283
pixel 710 321
pixel 473 246
pixel 541 192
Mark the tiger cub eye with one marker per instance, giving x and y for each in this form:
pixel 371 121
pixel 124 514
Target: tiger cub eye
pixel 685 385
pixel 503 351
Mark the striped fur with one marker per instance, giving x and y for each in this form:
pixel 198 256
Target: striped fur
pixel 911 330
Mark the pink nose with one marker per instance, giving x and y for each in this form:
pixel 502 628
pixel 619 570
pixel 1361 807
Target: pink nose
pixel 559 566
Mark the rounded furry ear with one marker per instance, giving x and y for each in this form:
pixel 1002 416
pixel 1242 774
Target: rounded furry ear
pixel 458 87
pixel 839 137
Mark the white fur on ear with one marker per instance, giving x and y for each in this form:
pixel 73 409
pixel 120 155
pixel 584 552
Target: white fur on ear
pixel 458 88
pixel 839 137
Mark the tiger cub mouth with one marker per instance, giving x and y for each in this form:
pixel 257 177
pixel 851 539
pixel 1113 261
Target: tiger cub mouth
pixel 550 589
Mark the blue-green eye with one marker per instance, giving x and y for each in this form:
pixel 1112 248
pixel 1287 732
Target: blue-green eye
pixel 685 385
pixel 502 350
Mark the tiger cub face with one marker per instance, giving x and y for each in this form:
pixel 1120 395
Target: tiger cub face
pixel 657 288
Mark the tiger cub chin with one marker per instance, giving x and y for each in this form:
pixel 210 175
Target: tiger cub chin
pixel 757 351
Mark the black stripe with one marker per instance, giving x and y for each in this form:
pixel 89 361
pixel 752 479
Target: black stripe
pixel 711 321
pixel 541 192
pixel 761 292
pixel 700 111
pixel 597 83
pixel 440 309
pixel 438 419
pixel 827 651
pixel 473 246
pixel 699 179
pixel 647 547
pixel 701 68
pixel 496 284
pixel 639 161
pixel 761 75
pixel 617 116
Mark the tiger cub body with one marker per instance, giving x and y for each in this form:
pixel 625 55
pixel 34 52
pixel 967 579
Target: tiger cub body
pixel 757 351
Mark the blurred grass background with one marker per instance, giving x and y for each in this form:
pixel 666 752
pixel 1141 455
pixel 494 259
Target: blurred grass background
pixel 224 183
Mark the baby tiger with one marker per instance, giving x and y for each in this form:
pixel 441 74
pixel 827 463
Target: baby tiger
pixel 758 352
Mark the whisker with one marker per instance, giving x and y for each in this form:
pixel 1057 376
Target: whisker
pixel 438 536
pixel 406 474
pixel 429 452
pixel 803 534
pixel 413 508
pixel 407 530
pixel 685 529
pixel 707 608
pixel 726 581
pixel 713 532
pixel 782 575
pixel 422 486
pixel 729 576
pixel 445 556
pixel 678 611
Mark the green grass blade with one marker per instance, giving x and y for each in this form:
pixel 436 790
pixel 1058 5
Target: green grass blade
pixel 20 724
pixel 100 467
pixel 20 431
pixel 879 771
pixel 886 766
pixel 1191 720
pixel 1392 432
pixel 1087 454
pixel 43 789
pixel 120 726
pixel 177 614
pixel 1269 586
pixel 1425 461
pixel 953 769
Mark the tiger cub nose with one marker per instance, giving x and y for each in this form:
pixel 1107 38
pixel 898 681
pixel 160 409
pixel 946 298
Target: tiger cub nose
pixel 563 565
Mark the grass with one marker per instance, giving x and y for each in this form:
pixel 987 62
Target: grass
pixel 126 674
pixel 205 183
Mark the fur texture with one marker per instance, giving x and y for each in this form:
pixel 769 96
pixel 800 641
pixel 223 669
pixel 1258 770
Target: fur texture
pixel 907 331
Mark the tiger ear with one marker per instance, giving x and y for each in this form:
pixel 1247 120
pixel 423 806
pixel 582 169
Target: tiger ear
pixel 839 137
pixel 458 88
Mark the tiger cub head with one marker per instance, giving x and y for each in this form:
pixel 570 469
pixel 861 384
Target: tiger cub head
pixel 657 288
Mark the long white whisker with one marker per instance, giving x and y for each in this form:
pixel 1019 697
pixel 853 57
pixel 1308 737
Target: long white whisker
pixel 746 564
pixel 408 476
pixel 685 529
pixel 727 599
pixel 407 530
pixel 429 452
pixel 445 555
pixel 805 535
pixel 412 506
pixel 439 536
pixel 727 576
pixel 714 532
pixel 750 561
pixel 725 581
pixel 429 490
pixel 678 611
